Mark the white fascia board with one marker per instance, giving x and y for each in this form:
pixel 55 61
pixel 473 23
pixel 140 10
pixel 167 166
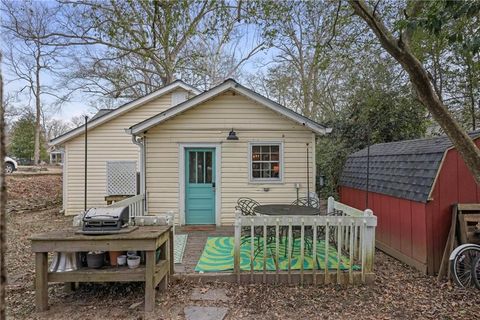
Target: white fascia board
pixel 123 109
pixel 312 125
pixel 169 113
pixel 228 85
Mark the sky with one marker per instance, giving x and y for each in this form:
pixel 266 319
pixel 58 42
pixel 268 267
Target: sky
pixel 80 102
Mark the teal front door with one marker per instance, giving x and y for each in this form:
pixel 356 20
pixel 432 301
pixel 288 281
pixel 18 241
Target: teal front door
pixel 200 186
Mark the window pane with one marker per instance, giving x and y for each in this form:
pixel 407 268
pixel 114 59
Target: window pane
pixel 275 167
pixel 275 154
pixel 191 167
pixel 255 153
pixel 200 166
pixel 209 167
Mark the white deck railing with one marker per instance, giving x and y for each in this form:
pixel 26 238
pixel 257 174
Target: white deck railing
pixel 136 205
pixel 348 231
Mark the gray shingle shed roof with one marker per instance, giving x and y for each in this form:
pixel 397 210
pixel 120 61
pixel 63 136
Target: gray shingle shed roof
pixel 403 169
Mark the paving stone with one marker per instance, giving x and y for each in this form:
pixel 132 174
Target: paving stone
pixel 180 269
pixel 209 295
pixel 204 313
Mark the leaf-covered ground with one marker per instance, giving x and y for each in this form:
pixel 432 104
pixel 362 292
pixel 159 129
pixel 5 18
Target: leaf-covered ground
pixel 399 292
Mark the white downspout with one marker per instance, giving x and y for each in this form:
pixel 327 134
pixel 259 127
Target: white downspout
pixel 140 141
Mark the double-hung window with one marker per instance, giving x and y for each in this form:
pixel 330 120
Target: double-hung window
pixel 266 162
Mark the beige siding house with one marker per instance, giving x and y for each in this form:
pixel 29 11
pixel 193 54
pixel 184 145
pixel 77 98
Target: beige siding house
pixel 197 153
pixel 193 170
pixel 108 141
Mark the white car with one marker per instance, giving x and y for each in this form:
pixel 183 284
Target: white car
pixel 10 165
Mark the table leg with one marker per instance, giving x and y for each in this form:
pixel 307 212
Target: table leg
pixel 41 281
pixel 171 256
pixel 149 281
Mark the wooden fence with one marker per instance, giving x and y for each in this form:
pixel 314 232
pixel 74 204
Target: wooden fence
pixel 347 232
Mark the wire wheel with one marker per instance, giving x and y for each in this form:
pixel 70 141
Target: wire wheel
pixel 476 272
pixel 462 263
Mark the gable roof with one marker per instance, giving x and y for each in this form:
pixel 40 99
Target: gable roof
pixel 102 117
pixel 404 169
pixel 227 85
pixel 100 113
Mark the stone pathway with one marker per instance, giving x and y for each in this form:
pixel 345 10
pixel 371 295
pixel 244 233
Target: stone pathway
pixel 205 313
pixel 212 312
pixel 209 295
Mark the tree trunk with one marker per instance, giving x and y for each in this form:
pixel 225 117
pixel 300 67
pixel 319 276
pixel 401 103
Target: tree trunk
pixel 471 94
pixel 38 126
pixel 399 49
pixel 3 202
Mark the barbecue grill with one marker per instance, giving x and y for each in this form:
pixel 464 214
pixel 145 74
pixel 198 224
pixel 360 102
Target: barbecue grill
pixel 98 220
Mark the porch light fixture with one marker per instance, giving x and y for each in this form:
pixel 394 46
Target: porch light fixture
pixel 232 135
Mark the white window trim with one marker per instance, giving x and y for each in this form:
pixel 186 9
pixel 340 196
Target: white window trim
pixel 281 162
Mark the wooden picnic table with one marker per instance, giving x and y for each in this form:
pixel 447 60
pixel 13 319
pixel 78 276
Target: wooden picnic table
pixel 147 239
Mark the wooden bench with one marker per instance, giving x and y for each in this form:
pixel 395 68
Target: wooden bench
pixel 147 239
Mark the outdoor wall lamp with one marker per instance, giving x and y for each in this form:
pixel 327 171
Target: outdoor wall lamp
pixel 232 135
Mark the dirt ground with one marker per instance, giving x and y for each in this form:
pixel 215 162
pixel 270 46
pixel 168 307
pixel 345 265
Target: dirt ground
pixel 399 291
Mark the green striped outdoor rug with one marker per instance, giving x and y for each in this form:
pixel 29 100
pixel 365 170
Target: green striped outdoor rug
pixel 218 256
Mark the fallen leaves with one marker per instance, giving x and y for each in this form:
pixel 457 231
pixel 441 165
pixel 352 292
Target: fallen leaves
pixel 399 292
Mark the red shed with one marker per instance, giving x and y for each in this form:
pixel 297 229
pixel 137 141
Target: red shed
pixel 412 185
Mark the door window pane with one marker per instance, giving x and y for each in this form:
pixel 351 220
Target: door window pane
pixel 192 178
pixel 209 167
pixel 200 167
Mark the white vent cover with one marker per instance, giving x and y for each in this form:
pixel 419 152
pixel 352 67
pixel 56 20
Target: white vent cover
pixel 179 97
pixel 121 178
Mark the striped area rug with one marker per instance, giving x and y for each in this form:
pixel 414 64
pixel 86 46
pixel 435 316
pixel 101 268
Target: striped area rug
pixel 179 244
pixel 217 256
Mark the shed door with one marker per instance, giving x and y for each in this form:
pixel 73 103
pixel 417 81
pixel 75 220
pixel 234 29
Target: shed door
pixel 200 186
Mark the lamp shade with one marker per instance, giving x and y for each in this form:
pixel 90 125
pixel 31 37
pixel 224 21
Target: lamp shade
pixel 232 135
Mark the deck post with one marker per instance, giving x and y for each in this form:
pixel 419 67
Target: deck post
pixel 330 205
pixel 236 251
pixel 369 245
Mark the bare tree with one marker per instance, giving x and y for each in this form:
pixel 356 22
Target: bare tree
pixel 399 48
pixel 308 38
pixel 222 55
pixel 55 127
pixel 28 58
pixel 138 46
pixel 3 203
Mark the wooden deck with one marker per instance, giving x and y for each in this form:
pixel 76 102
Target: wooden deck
pixel 197 237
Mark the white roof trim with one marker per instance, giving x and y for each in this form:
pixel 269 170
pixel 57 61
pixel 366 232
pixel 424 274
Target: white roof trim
pixel 123 109
pixel 227 85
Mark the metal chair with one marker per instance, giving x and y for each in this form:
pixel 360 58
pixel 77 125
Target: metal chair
pixel 307 202
pixel 313 202
pixel 246 206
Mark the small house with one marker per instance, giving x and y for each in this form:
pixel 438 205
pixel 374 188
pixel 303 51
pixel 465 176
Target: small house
pixel 195 156
pixel 411 187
